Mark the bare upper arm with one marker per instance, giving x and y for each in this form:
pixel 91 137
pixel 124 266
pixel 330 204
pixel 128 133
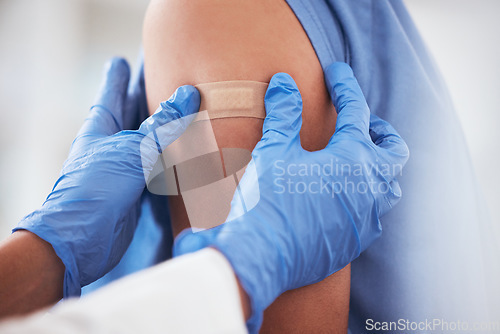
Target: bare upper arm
pixel 199 41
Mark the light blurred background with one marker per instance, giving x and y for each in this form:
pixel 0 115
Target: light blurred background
pixel 52 53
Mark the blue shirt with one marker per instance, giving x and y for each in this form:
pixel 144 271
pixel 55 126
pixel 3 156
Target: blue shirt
pixel 437 252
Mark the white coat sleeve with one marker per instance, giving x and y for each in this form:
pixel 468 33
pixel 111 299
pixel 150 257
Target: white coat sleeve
pixel 194 293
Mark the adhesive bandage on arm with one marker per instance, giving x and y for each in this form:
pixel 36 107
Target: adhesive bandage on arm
pixel 195 167
pixel 227 99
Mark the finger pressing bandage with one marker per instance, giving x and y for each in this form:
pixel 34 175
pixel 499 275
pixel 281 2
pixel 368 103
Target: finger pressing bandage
pixel 194 166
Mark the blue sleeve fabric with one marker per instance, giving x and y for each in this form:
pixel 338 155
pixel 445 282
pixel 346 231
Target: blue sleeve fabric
pixel 432 258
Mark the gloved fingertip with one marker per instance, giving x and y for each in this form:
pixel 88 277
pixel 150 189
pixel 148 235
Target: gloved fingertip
pixel 385 136
pixel 283 80
pixel 114 85
pixel 337 72
pixel 342 84
pixel 282 88
pixel 283 104
pixel 185 100
pixel 117 67
pixel 353 113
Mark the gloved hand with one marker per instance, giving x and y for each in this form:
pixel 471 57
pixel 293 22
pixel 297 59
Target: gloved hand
pixel 317 210
pixel 90 216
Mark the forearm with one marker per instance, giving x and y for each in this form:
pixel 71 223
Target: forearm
pixel 165 298
pixel 31 274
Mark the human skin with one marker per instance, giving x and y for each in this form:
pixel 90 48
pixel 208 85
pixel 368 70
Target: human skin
pixel 201 41
pixel 31 274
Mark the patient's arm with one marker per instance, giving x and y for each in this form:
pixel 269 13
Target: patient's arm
pixel 199 41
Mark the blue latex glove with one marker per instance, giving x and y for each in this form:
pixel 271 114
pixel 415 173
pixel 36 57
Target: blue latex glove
pixel 153 240
pixel 295 237
pixel 136 106
pixel 90 216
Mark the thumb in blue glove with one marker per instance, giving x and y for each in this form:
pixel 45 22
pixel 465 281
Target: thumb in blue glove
pixel 90 216
pixel 315 211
